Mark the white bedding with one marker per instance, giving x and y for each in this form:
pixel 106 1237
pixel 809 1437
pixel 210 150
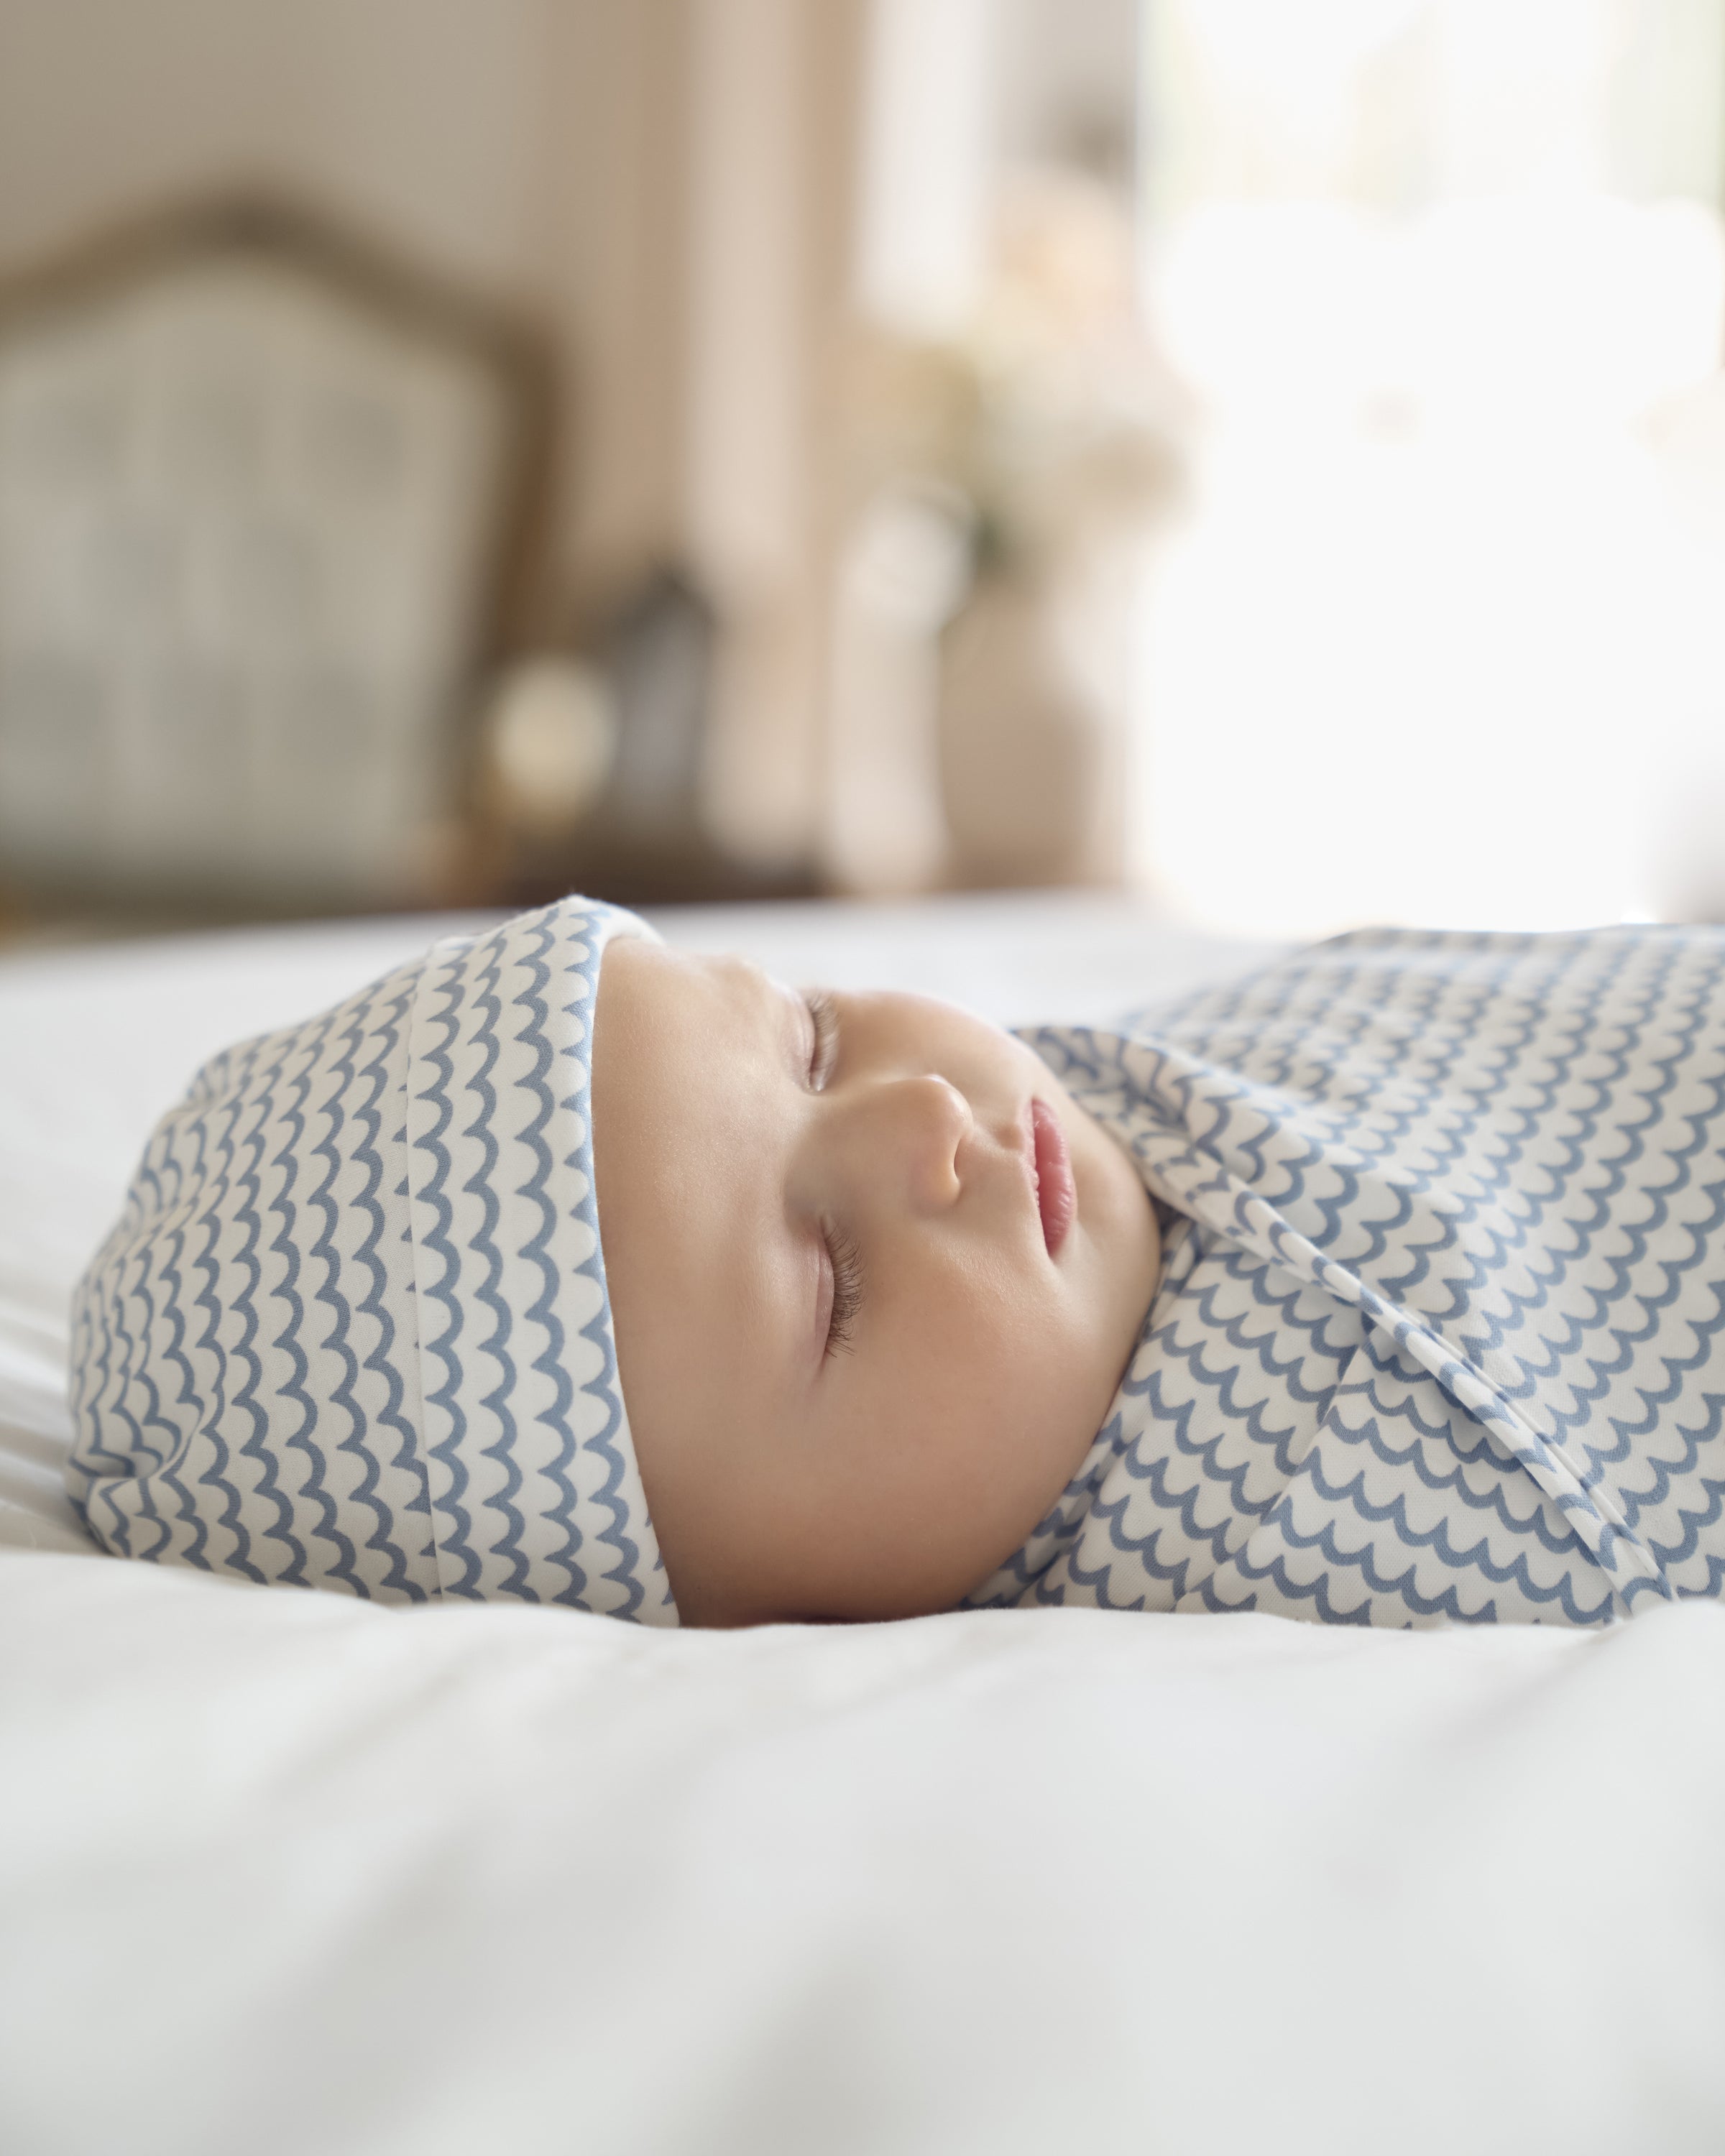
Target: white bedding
pixel 282 1872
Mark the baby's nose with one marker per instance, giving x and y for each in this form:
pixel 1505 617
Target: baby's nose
pixel 908 1130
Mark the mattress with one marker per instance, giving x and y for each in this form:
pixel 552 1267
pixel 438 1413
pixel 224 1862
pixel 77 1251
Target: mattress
pixel 281 1870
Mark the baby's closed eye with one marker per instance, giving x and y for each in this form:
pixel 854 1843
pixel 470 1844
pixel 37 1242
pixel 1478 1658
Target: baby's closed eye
pixel 845 1260
pixel 823 1037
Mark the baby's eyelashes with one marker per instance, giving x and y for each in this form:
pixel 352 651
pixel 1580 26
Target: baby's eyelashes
pixel 845 1260
pixel 824 1043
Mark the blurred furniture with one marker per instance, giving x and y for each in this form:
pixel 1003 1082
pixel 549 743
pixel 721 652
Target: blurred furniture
pixel 264 498
pixel 593 772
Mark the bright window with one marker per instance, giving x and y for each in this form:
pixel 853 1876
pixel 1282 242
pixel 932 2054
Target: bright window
pixel 1441 639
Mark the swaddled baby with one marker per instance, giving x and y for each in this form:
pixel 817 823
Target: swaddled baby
pixel 560 1266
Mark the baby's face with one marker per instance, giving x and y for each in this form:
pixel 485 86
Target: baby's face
pixel 874 1275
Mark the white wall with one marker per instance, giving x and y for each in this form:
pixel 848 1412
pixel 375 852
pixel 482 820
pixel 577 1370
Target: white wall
pixel 420 115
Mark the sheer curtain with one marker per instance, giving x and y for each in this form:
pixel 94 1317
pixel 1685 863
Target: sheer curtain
pixel 1440 640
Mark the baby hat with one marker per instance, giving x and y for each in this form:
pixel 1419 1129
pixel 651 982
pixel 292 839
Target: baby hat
pixel 352 1329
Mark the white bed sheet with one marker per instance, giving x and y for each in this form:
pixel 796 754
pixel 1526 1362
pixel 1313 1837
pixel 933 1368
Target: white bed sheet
pixel 282 1872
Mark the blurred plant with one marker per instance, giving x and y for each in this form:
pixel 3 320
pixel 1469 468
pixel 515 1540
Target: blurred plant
pixel 1052 421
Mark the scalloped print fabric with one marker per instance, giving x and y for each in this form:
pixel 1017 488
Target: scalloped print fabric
pixel 352 1330
pixel 1441 1335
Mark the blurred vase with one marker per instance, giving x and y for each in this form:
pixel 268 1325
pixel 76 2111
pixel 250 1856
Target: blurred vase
pixel 1031 727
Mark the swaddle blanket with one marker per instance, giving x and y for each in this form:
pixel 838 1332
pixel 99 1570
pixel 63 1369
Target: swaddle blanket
pixel 352 1330
pixel 1442 1329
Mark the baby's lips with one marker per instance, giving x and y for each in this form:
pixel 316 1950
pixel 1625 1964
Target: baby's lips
pixel 1056 1193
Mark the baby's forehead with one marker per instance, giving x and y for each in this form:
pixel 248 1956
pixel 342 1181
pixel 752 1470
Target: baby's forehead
pixel 683 1010
pixel 694 1053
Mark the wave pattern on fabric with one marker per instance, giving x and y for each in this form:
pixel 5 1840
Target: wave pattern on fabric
pixel 353 1328
pixel 1441 1332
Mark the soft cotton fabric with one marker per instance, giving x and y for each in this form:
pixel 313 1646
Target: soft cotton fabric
pixel 1441 1331
pixel 353 1328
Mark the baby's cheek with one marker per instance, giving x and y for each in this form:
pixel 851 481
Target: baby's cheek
pixel 983 1319
pixel 972 1432
pixel 956 1362
pixel 1024 1392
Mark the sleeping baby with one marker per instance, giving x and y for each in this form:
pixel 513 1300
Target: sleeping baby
pixel 1386 1286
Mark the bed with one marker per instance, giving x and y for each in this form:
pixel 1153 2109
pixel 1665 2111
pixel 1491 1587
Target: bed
pixel 281 1870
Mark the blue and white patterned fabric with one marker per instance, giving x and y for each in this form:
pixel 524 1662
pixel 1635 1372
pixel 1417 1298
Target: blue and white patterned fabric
pixel 1442 1329
pixel 353 1328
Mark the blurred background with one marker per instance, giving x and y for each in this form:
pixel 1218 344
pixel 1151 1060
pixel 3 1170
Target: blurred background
pixel 1268 458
